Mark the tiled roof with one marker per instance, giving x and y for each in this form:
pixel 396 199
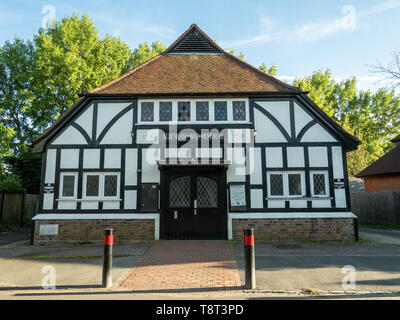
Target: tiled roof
pixel 194 73
pixel 191 70
pixel 388 164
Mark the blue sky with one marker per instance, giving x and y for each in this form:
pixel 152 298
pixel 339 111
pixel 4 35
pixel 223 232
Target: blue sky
pixel 299 36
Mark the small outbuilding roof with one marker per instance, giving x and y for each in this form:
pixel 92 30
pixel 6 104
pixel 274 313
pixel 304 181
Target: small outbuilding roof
pixel 389 164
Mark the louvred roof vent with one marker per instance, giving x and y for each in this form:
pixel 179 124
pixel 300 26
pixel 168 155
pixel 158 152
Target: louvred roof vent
pixel 194 41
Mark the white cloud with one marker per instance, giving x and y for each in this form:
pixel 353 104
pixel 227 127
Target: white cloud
pixel 265 35
pixel 122 25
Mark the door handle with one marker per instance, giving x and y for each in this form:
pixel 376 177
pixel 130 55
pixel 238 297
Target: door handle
pixel 176 215
pixel 195 207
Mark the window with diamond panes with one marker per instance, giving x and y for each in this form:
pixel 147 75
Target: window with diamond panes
pixel 183 111
pixel 220 111
pixel 239 111
pixel 165 111
pixel 179 193
pixel 110 185
pixel 202 111
pixel 295 184
pixel 207 193
pixel 147 111
pixel 92 186
pixel 319 184
pixel 276 184
pixel 68 186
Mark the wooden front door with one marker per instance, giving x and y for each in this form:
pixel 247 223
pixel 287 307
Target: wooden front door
pixel 194 204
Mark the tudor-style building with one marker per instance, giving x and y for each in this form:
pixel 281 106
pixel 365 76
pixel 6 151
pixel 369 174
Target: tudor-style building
pixel 194 144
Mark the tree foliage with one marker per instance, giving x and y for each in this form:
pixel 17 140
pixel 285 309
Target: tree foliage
pixel 372 117
pixel 271 70
pixel 71 59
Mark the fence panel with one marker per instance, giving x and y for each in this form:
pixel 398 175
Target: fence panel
pixel 382 207
pixel 13 205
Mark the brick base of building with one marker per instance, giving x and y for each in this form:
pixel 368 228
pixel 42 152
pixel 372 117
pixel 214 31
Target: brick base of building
pixel 271 230
pixel 92 231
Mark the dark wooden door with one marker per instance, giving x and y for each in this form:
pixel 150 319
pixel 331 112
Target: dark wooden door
pixel 194 204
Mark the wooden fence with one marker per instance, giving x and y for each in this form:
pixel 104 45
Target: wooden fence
pixel 382 207
pixel 17 208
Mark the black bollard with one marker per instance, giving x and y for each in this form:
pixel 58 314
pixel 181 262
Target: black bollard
pixel 249 259
pixel 107 259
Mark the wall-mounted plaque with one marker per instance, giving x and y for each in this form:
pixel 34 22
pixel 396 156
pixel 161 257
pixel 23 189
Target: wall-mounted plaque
pixel 339 183
pixel 237 194
pixel 48 230
pixel 49 188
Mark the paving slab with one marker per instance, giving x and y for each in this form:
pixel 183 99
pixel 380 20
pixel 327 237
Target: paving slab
pixel 320 266
pixel 185 266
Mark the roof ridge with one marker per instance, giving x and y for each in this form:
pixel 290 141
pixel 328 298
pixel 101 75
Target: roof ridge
pixel 123 76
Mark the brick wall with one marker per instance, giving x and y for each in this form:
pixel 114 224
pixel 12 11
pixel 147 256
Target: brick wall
pixel 82 231
pixel 266 230
pixel 382 183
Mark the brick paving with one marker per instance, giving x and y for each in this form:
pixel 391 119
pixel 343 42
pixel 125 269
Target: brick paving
pixel 185 265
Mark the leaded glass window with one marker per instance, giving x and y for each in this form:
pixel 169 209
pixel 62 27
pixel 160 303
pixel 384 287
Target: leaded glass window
pixel 220 111
pixel 92 185
pixel 183 111
pixel 295 184
pixel 110 185
pixel 165 111
pixel 202 113
pixel 207 193
pixel 239 111
pixel 68 186
pixel 147 111
pixel 276 184
pixel 319 184
pixel 179 193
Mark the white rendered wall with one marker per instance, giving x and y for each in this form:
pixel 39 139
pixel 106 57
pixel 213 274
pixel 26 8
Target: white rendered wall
pixel 106 112
pixel 267 131
pixel 150 172
pixel 256 198
pixel 112 158
pixel 131 167
pixel 295 156
pixel 318 156
pixel 70 136
pixel 69 159
pixel 85 120
pixel 274 157
pixel 120 132
pixel 91 158
pixel 280 110
pixel 130 199
pixel 301 118
pixel 317 134
pixel 256 166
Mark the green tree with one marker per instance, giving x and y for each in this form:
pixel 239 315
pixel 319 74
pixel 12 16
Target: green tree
pixel 71 59
pixel 271 70
pixel 27 167
pixel 145 52
pixel 15 95
pixel 372 117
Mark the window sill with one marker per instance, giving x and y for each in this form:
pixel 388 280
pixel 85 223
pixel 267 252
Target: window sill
pixel 90 200
pixel 298 198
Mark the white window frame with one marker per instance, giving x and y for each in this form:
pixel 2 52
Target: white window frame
pixel 62 175
pixel 327 191
pixel 286 184
pixel 193 119
pixel 101 195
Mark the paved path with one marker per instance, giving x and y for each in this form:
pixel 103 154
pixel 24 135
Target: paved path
pixel 380 236
pixel 185 266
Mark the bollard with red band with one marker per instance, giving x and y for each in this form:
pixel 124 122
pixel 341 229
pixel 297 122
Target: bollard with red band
pixel 249 259
pixel 107 259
